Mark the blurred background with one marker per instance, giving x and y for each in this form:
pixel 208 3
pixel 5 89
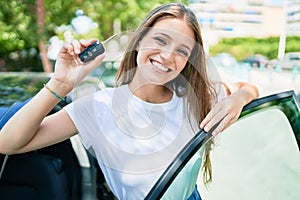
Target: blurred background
pixel 240 36
pixel 257 41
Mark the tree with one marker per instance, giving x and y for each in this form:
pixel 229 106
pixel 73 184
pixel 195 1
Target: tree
pixel 40 13
pixel 16 28
pixel 22 27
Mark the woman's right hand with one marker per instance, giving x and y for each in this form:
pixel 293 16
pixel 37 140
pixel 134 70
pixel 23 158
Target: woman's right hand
pixel 29 129
pixel 69 69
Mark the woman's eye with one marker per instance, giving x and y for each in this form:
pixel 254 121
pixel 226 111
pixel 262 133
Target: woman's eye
pixel 182 52
pixel 160 41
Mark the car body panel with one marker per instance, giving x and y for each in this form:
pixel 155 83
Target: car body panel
pixel 257 60
pixel 291 61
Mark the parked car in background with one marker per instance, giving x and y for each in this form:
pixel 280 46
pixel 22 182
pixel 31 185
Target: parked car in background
pixel 224 60
pixel 257 60
pixel 290 61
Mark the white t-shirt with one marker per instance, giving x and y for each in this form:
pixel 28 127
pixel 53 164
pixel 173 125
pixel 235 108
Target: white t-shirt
pixel 134 141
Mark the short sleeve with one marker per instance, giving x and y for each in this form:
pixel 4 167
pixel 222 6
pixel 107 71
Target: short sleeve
pixel 82 113
pixel 220 91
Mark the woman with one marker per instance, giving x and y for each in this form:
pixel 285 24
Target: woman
pixel 163 96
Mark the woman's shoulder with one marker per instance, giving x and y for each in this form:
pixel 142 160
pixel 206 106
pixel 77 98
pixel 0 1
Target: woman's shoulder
pixel 220 90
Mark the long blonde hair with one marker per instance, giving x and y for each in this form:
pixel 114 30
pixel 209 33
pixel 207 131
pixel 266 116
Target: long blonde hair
pixel 194 73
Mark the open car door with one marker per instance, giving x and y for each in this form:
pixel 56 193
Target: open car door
pixel 255 158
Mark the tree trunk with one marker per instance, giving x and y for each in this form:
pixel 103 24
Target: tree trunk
pixel 40 12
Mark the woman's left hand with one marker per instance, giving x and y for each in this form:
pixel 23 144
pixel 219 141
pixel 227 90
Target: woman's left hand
pixel 228 110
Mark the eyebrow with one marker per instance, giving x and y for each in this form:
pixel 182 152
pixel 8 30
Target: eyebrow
pixel 166 35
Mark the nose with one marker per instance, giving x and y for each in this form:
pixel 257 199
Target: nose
pixel 167 54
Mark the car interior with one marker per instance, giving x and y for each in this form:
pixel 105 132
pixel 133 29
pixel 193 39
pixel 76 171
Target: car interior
pixel 54 172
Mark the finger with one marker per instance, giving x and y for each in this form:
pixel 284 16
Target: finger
pixel 95 63
pixel 68 48
pixel 210 115
pixel 76 46
pixel 222 126
pixel 86 43
pixel 226 122
pixel 216 119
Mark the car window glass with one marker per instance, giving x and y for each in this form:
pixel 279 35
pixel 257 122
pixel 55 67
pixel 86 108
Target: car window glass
pixel 183 185
pixel 255 158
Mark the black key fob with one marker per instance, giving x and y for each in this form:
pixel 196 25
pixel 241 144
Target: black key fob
pixel 91 52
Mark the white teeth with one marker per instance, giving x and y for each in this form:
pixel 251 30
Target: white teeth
pixel 160 66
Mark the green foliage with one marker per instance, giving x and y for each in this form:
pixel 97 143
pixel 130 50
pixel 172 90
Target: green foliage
pixel 28 85
pixel 240 48
pixel 293 44
pixel 18 26
pixel 15 24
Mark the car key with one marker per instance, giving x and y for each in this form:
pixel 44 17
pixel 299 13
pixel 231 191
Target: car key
pixel 91 52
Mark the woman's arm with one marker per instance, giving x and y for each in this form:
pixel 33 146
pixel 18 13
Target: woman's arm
pixel 29 128
pixel 229 109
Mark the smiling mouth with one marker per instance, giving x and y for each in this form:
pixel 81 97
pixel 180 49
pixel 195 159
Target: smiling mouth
pixel 160 67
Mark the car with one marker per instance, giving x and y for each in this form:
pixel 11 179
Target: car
pixel 257 60
pixel 290 61
pixel 224 60
pixel 62 171
pixel 267 130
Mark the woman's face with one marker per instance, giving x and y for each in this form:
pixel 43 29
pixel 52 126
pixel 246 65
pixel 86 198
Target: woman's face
pixel 164 51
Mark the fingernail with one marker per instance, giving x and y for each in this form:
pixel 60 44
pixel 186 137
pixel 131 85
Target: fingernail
pixel 214 133
pixel 206 128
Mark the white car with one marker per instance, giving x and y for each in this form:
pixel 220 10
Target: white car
pixel 290 61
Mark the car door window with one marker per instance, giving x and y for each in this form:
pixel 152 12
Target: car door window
pixel 256 158
pixel 184 183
